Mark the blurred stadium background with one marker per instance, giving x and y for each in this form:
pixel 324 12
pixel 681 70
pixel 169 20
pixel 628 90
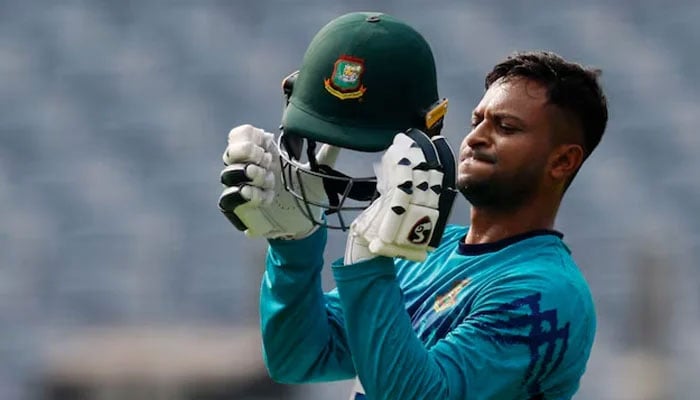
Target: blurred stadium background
pixel 119 279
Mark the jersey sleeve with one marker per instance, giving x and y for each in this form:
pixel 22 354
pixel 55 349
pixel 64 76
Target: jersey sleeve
pixel 302 328
pixel 514 336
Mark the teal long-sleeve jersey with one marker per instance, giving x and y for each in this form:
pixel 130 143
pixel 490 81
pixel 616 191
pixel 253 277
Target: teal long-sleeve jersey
pixel 512 319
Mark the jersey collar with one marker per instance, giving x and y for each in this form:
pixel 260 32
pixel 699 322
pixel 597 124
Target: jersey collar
pixel 483 248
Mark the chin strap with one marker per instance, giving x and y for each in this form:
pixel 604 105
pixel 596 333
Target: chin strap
pixel 345 186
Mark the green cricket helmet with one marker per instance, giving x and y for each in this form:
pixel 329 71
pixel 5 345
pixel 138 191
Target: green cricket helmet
pixel 365 77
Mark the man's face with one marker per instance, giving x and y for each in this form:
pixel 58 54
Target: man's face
pixel 502 161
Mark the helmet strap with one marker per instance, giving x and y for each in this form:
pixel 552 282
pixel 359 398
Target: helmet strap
pixel 311 154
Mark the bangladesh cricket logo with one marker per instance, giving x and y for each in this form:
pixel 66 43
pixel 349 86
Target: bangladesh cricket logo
pixel 346 79
pixel 449 299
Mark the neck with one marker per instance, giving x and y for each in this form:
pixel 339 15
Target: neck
pixel 490 225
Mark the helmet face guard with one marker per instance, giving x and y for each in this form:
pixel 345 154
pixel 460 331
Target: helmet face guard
pixel 344 196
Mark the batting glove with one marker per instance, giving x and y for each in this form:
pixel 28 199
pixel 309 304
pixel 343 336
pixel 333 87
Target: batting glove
pixel 416 182
pixel 254 198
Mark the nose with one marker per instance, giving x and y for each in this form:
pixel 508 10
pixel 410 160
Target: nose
pixel 479 136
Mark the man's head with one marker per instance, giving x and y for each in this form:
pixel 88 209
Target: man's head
pixel 540 118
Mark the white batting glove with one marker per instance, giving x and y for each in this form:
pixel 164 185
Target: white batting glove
pixel 254 198
pixel 416 184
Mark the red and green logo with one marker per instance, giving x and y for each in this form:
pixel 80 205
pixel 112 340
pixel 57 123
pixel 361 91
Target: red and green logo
pixel 449 299
pixel 346 79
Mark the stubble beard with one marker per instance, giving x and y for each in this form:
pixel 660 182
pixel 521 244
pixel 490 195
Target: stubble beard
pixel 502 194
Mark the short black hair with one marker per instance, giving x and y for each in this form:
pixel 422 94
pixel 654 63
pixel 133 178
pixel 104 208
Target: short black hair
pixel 570 86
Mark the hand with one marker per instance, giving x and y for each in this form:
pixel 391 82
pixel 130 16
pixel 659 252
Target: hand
pixel 254 198
pixel 416 182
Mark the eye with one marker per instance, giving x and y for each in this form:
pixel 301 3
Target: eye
pixel 475 122
pixel 507 128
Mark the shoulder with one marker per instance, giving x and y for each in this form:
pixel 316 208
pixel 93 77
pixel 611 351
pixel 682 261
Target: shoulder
pixel 542 289
pixel 544 258
pixel 541 266
pixel 546 283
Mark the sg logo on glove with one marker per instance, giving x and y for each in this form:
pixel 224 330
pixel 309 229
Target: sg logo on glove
pixel 421 231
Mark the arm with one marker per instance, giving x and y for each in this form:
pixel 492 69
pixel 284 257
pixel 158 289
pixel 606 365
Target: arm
pixel 303 339
pixel 302 329
pixel 503 349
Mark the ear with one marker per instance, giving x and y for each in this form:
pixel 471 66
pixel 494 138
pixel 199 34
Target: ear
pixel 564 161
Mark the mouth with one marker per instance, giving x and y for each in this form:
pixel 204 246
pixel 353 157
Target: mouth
pixel 477 155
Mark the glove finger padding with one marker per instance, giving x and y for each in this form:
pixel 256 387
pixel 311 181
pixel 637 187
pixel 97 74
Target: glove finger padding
pixel 402 221
pixel 248 144
pixel 249 178
pixel 254 199
pixel 240 203
pixel 251 174
pixel 243 207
